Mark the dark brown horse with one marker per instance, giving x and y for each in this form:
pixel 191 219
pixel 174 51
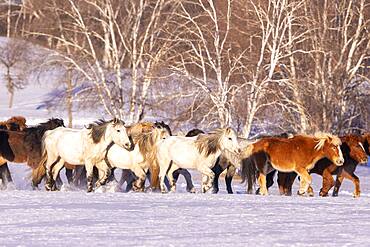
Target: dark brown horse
pixel 298 154
pixel 16 123
pixel 353 149
pixel 25 146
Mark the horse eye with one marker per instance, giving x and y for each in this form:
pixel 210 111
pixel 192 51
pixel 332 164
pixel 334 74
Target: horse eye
pixel 118 130
pixel 230 139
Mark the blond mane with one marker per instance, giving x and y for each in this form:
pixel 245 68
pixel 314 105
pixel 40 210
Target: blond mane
pixel 208 144
pixel 323 137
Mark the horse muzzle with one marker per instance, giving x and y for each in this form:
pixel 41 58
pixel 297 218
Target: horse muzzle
pixel 339 162
pixel 128 146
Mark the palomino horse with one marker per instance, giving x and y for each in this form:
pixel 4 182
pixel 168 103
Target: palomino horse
pixel 353 152
pixel 141 158
pixel 198 153
pixel 16 123
pixel 298 154
pixel 129 178
pixel 25 146
pixel 82 147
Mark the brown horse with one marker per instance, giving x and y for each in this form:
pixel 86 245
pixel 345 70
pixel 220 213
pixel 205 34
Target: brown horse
pixel 298 154
pixel 25 146
pixel 353 152
pixel 16 123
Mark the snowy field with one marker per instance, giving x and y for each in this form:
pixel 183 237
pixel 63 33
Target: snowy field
pixel 73 217
pixel 35 218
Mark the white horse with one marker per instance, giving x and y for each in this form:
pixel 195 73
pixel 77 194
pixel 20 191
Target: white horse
pixel 198 152
pixel 141 158
pixel 82 147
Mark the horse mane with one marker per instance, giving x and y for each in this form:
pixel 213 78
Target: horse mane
pixel 98 129
pixel 323 137
pixel 162 125
pixel 138 128
pixel 208 144
pixel 146 142
pixel 194 132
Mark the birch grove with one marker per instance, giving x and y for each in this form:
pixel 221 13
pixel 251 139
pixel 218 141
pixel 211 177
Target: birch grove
pixel 257 65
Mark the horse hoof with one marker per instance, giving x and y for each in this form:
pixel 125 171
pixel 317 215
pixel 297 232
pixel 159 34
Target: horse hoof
pixel 214 191
pixel 301 193
pixel 356 195
pixel 89 190
pixel 322 194
pixel 335 194
pixel 192 190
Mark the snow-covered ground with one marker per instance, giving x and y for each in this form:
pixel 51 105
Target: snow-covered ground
pixel 73 217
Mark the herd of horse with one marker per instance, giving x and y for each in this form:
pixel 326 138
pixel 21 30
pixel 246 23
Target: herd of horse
pixel 149 151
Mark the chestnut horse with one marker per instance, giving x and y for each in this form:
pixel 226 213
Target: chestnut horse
pixel 25 146
pixel 353 152
pixel 298 154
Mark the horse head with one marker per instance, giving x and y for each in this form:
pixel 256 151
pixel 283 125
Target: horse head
pixel 162 125
pixel 330 145
pixel 16 123
pixel 353 148
pixel 116 131
pixel 229 141
pixel 366 142
pixel 53 123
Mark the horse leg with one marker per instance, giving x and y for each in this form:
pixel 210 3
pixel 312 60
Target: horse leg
pixel 58 166
pixel 90 175
pixel 355 180
pixel 338 181
pixel 327 182
pixel 103 174
pixel 289 180
pixel 305 180
pixel 207 178
pixel 50 182
pixel 138 185
pixel 69 175
pixel 270 179
pixel 281 182
pixel 262 184
pixel 5 174
pixel 170 177
pixel 229 177
pixel 217 169
pixel 189 183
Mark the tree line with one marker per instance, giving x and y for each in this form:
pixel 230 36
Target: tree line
pixel 273 66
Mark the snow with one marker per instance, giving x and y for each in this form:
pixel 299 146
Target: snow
pixel 74 217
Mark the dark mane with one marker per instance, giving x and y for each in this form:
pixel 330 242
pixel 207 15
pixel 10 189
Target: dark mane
pixel 37 132
pixel 33 136
pixel 99 127
pixel 162 125
pixel 194 132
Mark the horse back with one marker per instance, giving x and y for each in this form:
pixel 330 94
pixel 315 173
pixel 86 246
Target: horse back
pixel 288 152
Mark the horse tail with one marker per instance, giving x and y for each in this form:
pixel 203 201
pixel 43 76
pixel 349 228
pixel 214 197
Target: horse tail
pixel 248 172
pixel 37 175
pixel 154 170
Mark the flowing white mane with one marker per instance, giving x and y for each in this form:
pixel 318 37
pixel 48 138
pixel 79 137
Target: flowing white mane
pixel 322 137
